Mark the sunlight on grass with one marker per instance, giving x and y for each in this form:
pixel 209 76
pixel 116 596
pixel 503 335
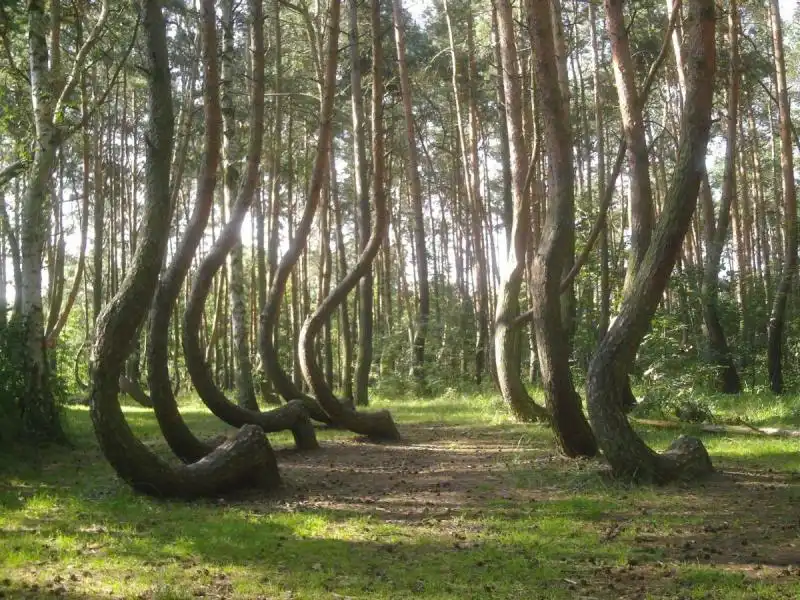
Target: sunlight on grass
pixel 530 524
pixel 759 409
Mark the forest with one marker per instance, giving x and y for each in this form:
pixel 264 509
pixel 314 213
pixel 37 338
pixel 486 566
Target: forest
pixel 385 299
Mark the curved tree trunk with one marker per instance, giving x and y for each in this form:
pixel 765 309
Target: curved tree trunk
pixel 178 435
pixel 507 338
pixel 245 461
pixel 627 453
pixel 291 416
pixel 132 388
pixel 572 430
pixel 378 425
pixel 269 317
pixel 727 379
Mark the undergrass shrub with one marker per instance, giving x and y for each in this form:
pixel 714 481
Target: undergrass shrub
pixel 12 381
pixel 13 370
pixel 683 405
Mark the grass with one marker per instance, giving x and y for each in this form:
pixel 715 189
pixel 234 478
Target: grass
pixel 474 506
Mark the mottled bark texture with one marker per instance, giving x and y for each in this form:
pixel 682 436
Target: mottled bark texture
pixel 291 416
pixel 507 338
pixel 246 460
pixel 627 453
pixel 180 438
pixel 572 430
pixel 377 425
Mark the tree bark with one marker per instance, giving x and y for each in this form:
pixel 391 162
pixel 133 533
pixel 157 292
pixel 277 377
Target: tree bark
pixel 38 409
pixel 727 378
pixel 365 286
pixel 292 416
pixel 507 341
pixel 415 188
pixel 627 453
pixel 378 425
pixel 269 317
pixel 344 312
pixel 605 284
pixel 641 194
pixel 777 319
pixel 178 435
pixel 570 426
pixel 245 461
pixel 245 393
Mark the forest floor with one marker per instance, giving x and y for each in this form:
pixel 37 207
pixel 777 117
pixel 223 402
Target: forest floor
pixel 469 506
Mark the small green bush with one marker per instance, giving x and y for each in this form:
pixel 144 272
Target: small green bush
pixel 12 380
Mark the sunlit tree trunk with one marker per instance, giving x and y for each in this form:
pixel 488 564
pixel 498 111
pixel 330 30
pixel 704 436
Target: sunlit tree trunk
pixel 48 94
pixel 377 425
pixel 415 189
pixel 777 319
pixel 248 459
pixel 570 426
pixel 727 378
pixel 245 393
pixel 627 453
pixel 364 358
pixel 506 336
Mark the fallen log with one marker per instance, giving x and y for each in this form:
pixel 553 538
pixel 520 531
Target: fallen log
pixel 741 428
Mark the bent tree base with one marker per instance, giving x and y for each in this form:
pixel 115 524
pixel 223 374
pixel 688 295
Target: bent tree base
pixel 245 461
pixel 630 458
pixel 507 340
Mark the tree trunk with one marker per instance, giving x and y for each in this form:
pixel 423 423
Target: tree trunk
pixel 627 453
pixel 412 172
pixel 178 435
pixel 570 426
pixel 245 461
pixel 270 314
pixel 605 284
pixel 777 319
pixel 378 425
pixel 6 175
pixel 507 342
pixel 641 201
pixel 727 377
pixel 245 393
pixel 38 410
pixel 344 312
pixel 292 416
pixel 364 358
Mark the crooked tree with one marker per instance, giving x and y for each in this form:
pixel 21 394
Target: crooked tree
pixel 246 460
pixel 628 454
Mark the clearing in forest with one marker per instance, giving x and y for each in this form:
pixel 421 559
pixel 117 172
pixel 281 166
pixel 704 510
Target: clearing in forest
pixel 469 506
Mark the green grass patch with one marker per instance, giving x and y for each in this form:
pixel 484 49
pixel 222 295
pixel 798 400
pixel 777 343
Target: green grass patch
pixel 473 506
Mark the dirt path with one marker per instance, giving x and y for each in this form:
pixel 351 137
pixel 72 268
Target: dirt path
pixel 742 521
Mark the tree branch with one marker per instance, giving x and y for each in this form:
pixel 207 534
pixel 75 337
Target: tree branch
pixel 104 96
pixel 80 59
pixel 600 223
